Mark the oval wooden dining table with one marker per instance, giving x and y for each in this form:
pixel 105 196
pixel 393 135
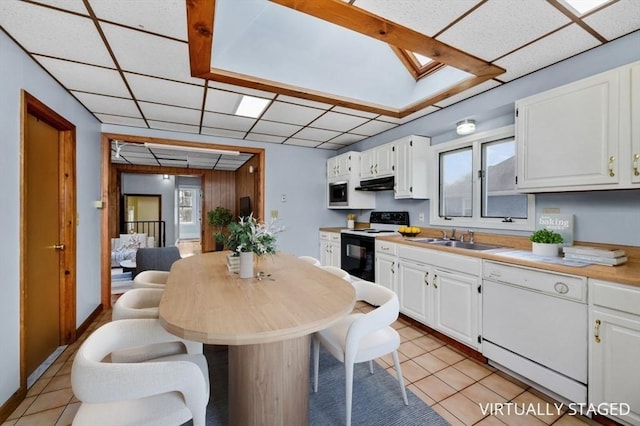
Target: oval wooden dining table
pixel 266 323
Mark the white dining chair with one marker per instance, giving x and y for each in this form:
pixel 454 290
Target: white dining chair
pixel 137 303
pixel 310 259
pixel 338 272
pixel 168 390
pixel 151 279
pixel 362 337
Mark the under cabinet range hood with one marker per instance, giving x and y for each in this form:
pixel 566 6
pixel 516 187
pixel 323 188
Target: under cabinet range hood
pixel 378 184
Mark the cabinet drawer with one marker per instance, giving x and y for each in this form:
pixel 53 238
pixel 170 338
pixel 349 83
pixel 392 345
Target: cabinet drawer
pixel 455 262
pixel 334 236
pixel 615 296
pixel 325 235
pixel 561 285
pixel 385 247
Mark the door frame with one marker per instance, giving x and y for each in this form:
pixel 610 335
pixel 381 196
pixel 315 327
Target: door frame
pixel 111 186
pixel 67 203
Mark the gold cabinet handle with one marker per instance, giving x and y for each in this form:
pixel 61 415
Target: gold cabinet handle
pixel 596 331
pixel 612 159
pixel 58 246
pixel 636 157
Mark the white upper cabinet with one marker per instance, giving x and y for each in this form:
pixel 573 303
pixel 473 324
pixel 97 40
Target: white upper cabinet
pixel 411 166
pixel 578 137
pixel 635 123
pixel 339 167
pixel 377 162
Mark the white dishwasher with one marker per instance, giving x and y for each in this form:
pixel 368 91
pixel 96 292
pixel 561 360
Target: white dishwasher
pixel 534 323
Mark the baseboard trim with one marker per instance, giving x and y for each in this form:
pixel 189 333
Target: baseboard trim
pixel 12 403
pixel 90 319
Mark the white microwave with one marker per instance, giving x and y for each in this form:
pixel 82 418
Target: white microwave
pixel 338 194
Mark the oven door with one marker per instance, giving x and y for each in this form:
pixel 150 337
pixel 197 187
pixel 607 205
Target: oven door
pixel 357 256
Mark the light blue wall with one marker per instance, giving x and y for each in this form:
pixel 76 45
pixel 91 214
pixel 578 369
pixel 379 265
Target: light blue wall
pixel 18 71
pixel 156 185
pixel 600 216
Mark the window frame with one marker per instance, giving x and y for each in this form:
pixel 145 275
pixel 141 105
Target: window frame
pixel 476 220
pixel 181 206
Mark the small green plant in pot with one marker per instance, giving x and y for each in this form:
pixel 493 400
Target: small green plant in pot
pixel 219 218
pixel 545 242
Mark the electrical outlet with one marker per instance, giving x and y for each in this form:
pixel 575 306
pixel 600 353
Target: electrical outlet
pixel 421 217
pixel 274 214
pixel 283 198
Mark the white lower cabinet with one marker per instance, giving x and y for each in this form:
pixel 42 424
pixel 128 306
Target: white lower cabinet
pixel 330 249
pixel 441 290
pixel 614 350
pixel 413 290
pixel 386 265
pixel 455 306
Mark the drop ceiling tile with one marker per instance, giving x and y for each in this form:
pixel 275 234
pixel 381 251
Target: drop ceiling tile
pixel 265 138
pixel 418 114
pixel 551 49
pixel 319 135
pixel 347 139
pixel 616 20
pixel 150 55
pixel 276 129
pixel 241 90
pixel 168 17
pixel 331 146
pixel 302 142
pixel 498 27
pixel 291 113
pixel 137 155
pixel 222 133
pixel 226 121
pixel 489 84
pixel 56 35
pixel 162 91
pixel 171 114
pixel 85 78
pixel 340 122
pixel 150 162
pixel 122 121
pixel 373 127
pixel 305 102
pixel 222 101
pixel 227 168
pixel 426 17
pixel 351 111
pixel 108 105
pixel 175 127
pixel 71 5
pixel 172 163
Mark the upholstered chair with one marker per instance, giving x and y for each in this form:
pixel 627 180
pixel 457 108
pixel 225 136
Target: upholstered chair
pixel 151 279
pixel 311 260
pixel 338 272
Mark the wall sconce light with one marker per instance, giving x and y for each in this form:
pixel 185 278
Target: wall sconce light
pixel 165 177
pixel 465 127
pixel 251 169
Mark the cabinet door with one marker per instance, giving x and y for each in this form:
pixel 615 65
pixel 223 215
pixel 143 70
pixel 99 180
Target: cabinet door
pixel 332 167
pixel 335 254
pixel 343 165
pixel 384 165
pixel 568 137
pixel 635 123
pixel 413 290
pixel 403 169
pixel 455 306
pixel 325 252
pixel 367 163
pixel 386 271
pixel 614 351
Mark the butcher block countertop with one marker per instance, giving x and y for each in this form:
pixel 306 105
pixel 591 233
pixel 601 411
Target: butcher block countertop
pixel 628 273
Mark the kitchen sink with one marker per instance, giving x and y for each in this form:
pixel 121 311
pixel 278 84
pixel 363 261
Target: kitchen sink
pixel 457 244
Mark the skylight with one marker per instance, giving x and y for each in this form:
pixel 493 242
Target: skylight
pixel 584 6
pixel 251 106
pixel 423 60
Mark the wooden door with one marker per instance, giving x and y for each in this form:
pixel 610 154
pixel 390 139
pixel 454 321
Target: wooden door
pixel 43 243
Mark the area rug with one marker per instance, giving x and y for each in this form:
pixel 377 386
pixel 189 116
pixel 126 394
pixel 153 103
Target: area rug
pixel 377 400
pixel 120 281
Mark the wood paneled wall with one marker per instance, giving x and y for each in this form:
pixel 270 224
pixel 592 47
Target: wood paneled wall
pixel 248 178
pixel 218 189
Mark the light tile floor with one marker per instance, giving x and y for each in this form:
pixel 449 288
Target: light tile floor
pixel 450 382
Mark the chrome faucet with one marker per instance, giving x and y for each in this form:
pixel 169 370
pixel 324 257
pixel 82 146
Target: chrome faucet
pixel 470 233
pixel 453 234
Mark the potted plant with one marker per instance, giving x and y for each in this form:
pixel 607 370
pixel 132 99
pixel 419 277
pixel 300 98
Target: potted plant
pixel 247 238
pixel 219 218
pixel 545 242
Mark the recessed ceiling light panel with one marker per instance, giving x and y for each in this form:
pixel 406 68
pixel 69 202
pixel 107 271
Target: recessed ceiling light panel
pixel 251 106
pixel 582 7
